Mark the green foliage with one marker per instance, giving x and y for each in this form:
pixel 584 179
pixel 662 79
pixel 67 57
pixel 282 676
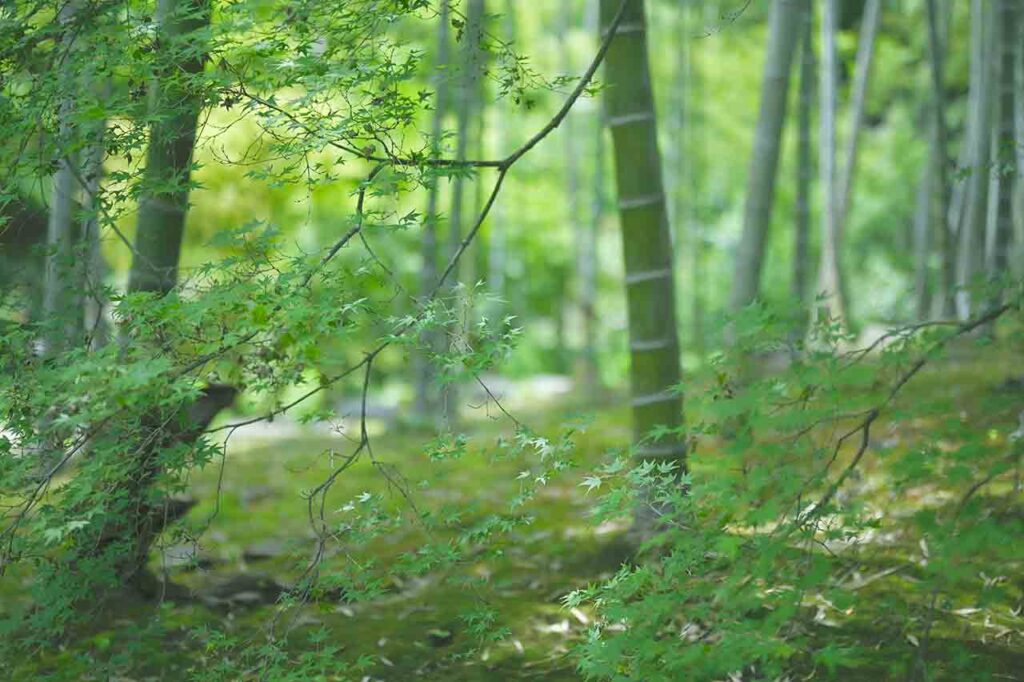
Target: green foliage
pixel 98 439
pixel 772 556
pixel 785 542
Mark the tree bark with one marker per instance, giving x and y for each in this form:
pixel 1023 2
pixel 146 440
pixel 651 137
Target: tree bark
pixel 999 258
pixel 588 275
pixel 675 157
pixel 783 32
pixel 95 265
pixel 704 13
pixel 497 261
pixel 646 242
pixel 589 257
pixel 688 232
pixel 61 306
pixel 463 111
pixel 861 80
pixel 922 235
pixel 497 265
pixel 804 166
pixel 829 286
pixel 1018 116
pixel 848 172
pixel 426 403
pixel 175 105
pixel 947 240
pixel 581 230
pixel 972 229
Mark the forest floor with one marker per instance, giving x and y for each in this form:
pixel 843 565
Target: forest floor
pixel 259 535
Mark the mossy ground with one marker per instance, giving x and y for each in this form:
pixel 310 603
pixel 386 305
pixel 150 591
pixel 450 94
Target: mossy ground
pixel 415 631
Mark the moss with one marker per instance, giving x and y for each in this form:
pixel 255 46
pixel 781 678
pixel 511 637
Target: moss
pixel 418 627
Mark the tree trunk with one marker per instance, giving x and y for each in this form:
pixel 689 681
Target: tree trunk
pixel 166 183
pixel 862 78
pixel 829 287
pixel 704 13
pixel 586 368
pixel 497 255
pixel 675 157
pixel 686 181
pixel 999 259
pixel 474 269
pixel 865 58
pixel 589 256
pixel 590 264
pixel 972 229
pixel 95 265
pixel 426 403
pixel 783 32
pixel 146 518
pixel 1017 242
pixel 646 242
pixel 941 161
pixel 61 306
pixel 922 235
pixel 463 111
pixel 804 167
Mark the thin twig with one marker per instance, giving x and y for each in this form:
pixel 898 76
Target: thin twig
pixel 864 426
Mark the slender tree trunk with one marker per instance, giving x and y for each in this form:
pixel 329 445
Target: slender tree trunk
pixel 587 364
pixel 972 230
pixel 829 286
pixel 1017 241
pixel 646 242
pixel 848 172
pixel 474 269
pixel 999 259
pixel 563 357
pixel 61 306
pixel 463 112
pixel 922 236
pixel 697 150
pixel 588 275
pixel 940 134
pixel 95 269
pixel 958 198
pixel 498 252
pixel 861 80
pixel 165 184
pixel 497 267
pixel 992 192
pixel 783 32
pixel 588 264
pixel 804 167
pixel 426 402
pixel 676 161
pixel 688 234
